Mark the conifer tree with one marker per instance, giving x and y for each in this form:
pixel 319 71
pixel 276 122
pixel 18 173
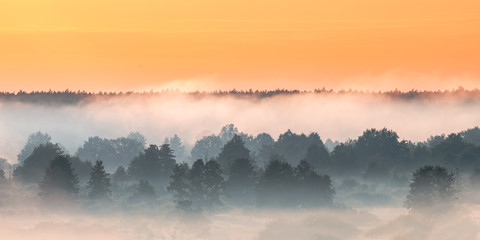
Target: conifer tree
pixel 59 178
pixel 99 182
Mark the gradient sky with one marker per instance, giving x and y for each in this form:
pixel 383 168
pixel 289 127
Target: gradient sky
pixel 140 45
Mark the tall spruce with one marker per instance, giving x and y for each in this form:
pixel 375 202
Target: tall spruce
pixel 99 182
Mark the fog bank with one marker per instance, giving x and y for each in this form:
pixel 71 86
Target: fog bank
pixel 335 116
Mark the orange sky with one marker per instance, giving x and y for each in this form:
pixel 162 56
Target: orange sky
pixel 125 45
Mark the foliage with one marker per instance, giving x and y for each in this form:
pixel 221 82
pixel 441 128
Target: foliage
pixel 207 148
pixel 113 152
pixel 198 187
pixel 233 149
pixel 99 182
pixel 431 186
pixel 155 164
pixel 281 185
pixel 33 141
pixel 59 178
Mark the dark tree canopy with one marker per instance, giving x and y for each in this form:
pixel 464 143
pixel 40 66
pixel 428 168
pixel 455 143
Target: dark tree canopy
pixel 344 161
pixel 318 157
pixel 381 144
pixel 233 149
pixel 99 183
pixel 313 190
pixel 33 168
pixel 113 152
pixel 281 185
pixel 294 147
pixel 431 186
pixel 59 178
pixel 155 164
pixel 276 185
pixel 199 187
pixel 33 141
pixel 241 181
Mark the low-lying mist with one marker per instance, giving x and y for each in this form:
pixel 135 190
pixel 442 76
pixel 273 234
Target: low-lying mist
pixel 24 216
pixel 338 116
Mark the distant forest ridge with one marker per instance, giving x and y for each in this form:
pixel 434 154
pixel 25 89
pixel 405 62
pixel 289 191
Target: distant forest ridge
pixel 75 97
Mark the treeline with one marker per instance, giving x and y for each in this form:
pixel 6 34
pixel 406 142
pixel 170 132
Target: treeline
pixel 234 168
pixel 69 97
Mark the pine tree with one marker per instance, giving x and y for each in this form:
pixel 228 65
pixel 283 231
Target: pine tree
pixel 99 182
pixel 59 178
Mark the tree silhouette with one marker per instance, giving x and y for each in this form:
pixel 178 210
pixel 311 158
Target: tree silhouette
pixel 318 157
pixel 119 176
pixel 276 185
pixel 431 186
pixel 241 181
pixel 33 168
pixel 113 152
pixel 233 149
pixel 294 147
pixel 99 182
pixel 312 190
pixel 198 187
pixel 207 148
pixel 59 178
pixel 154 164
pixel 33 141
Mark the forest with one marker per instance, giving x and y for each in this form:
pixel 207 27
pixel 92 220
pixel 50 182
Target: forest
pixel 235 169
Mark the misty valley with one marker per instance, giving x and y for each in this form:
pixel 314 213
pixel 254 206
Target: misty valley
pixel 152 183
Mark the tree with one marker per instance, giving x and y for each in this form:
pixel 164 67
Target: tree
pixel 59 178
pixel 206 148
pixel 431 186
pixel 276 185
pixel 113 152
pixel 318 157
pixel 177 146
pixel 240 183
pixel 180 186
pixel 119 176
pixel 154 164
pixel 447 151
pixel 294 147
pixel 344 160
pixel 228 132
pixel 233 149
pixel 198 187
pixel 32 169
pixel 2 176
pixel 99 182
pixel 380 144
pixel 213 183
pixel 33 141
pixel 312 190
pixel 137 137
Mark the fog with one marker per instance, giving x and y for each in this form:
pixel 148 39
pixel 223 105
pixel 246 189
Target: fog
pixel 338 116
pixel 23 216
pixel 362 207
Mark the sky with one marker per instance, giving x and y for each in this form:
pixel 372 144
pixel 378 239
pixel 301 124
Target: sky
pixel 143 45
